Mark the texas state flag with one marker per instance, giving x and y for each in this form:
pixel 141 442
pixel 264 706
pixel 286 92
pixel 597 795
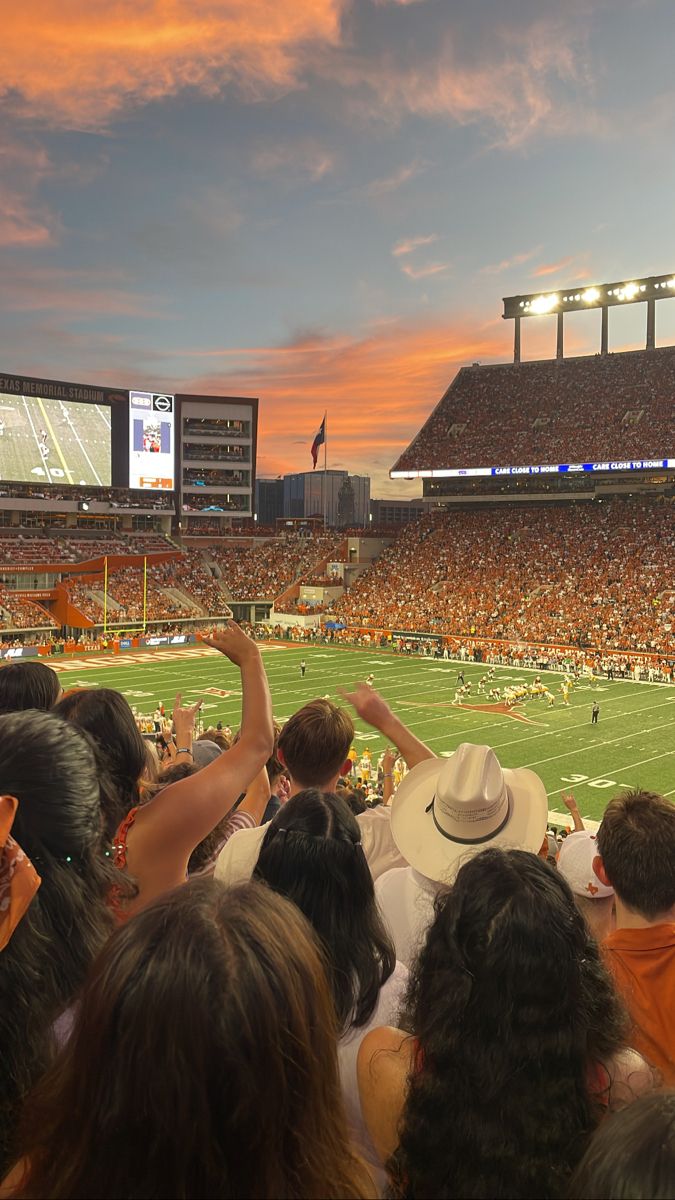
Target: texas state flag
pixel 318 441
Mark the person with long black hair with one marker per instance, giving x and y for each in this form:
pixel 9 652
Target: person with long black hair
pixel 312 854
pixel 49 784
pixel 517 1048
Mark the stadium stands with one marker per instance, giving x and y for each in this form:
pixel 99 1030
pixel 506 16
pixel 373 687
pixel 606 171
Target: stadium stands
pixel 180 588
pixel 264 569
pixel 617 406
pixel 257 569
pixel 17 612
pixel 570 574
pixel 23 549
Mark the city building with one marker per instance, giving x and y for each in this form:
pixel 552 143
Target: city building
pixel 269 500
pixel 395 512
pixel 343 498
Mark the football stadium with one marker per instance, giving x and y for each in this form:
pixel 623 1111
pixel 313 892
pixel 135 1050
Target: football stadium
pixel 494 672
pixel 337 601
pixel 544 552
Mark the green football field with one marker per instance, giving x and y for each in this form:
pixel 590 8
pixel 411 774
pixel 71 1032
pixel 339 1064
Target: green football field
pixel 632 744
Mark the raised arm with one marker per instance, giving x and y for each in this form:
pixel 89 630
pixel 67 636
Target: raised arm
pixel 573 809
pixel 375 711
pixel 168 828
pixel 257 797
pixel 388 764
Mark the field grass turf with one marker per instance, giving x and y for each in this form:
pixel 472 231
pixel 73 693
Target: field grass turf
pixel 632 745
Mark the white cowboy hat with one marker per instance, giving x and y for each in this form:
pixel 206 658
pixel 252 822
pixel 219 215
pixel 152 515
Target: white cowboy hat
pixel 447 809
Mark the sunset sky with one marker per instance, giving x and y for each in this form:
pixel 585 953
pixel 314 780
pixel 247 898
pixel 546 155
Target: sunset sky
pixel 322 202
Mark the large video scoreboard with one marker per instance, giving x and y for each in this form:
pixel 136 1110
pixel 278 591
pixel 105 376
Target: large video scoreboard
pixel 70 435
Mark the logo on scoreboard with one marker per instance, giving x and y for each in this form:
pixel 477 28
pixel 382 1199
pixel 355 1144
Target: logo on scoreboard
pixel 162 403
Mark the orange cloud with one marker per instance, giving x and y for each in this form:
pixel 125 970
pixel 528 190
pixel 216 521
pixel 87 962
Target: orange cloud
pixel 23 220
pixel 378 389
pixel 527 80
pixel 78 64
pixel 409 244
pixel 506 264
pixel 23 223
pixel 551 268
pixel 391 183
pixel 439 268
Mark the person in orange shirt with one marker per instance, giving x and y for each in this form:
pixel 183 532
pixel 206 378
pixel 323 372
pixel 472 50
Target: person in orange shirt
pixel 636 856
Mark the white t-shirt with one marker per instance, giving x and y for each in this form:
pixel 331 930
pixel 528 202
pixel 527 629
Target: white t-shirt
pixel 406 901
pixel 386 1012
pixel 379 847
pixel 238 857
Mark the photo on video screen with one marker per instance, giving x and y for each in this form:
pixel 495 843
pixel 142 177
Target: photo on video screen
pixel 151 447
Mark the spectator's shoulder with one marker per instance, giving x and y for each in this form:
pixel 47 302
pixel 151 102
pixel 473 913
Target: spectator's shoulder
pixel 237 860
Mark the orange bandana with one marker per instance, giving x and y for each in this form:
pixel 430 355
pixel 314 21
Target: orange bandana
pixel 19 881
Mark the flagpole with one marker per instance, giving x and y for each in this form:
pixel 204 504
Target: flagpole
pixel 325 469
pixel 105 594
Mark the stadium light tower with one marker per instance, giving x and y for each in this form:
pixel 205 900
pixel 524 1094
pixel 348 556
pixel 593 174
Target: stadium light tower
pixel 601 295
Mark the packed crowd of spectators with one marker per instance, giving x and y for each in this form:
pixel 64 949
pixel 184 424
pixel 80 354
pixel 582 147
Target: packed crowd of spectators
pixel 588 573
pixel 192 575
pixel 573 410
pixel 265 568
pixel 182 587
pixel 22 549
pixel 18 612
pixel 233 968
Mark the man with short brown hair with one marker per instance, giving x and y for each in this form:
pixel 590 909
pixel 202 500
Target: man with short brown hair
pixel 313 746
pixel 636 856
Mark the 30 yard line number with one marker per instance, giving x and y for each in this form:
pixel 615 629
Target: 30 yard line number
pixel 594 783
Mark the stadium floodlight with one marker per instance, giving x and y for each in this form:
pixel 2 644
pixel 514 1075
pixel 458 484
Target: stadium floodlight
pixel 544 304
pixel 599 295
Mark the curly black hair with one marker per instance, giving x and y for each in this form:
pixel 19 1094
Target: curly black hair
pixel 513 1012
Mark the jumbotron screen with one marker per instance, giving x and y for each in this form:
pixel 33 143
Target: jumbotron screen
pixel 151 441
pixel 58 434
pixel 54 441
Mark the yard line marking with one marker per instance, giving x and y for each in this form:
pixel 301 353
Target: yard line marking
pixel 57 446
pixel 591 746
pixel 102 413
pixel 37 441
pixel 66 413
pixel 615 771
